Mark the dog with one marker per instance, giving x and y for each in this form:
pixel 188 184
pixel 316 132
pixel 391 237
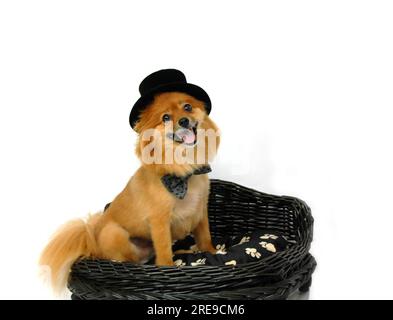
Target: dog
pixel 148 214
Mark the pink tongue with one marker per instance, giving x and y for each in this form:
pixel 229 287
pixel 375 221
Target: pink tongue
pixel 187 135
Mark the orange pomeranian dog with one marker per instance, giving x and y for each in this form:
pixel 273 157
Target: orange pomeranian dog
pixel 166 199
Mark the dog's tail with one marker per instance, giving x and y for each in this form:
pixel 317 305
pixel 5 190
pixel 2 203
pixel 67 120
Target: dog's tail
pixel 73 240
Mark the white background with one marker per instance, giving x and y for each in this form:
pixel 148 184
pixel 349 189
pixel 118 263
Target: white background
pixel 302 91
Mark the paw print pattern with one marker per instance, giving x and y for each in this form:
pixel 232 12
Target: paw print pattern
pixel 221 249
pixel 198 262
pixel 232 251
pixel 244 240
pixel 268 246
pixel 179 263
pixel 253 252
pixel 268 236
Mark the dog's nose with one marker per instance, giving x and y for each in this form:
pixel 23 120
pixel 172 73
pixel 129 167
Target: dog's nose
pixel 184 122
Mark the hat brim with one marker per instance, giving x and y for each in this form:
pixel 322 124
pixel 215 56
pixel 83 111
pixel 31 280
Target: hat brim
pixel 189 88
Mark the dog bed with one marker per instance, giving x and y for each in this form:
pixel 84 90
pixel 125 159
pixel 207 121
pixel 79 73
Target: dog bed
pixel 231 251
pixel 263 242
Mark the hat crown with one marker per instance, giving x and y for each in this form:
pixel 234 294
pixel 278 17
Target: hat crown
pixel 161 78
pixel 166 80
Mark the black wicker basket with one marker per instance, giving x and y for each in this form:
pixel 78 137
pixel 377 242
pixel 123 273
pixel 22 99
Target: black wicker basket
pixel 233 210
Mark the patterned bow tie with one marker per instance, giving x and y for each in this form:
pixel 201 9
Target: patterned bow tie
pixel 178 185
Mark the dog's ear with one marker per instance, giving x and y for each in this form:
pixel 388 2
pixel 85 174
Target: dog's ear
pixel 137 127
pixel 212 138
pixel 205 108
pixel 141 144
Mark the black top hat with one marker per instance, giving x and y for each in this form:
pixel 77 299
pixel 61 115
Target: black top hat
pixel 167 80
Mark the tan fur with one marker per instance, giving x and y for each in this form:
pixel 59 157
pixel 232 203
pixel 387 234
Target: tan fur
pixel 73 240
pixel 144 209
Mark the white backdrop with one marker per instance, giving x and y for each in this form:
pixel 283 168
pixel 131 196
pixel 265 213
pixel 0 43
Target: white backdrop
pixel 302 92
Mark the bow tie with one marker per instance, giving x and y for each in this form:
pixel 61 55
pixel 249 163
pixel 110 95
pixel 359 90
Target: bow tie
pixel 178 185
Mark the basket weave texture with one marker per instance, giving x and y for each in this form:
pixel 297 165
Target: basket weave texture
pixel 233 210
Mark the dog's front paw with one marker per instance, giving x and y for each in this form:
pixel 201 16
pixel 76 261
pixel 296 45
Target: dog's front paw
pixel 212 250
pixel 209 248
pixel 164 262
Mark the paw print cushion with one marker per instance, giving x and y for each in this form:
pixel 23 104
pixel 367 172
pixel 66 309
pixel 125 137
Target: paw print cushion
pixel 231 250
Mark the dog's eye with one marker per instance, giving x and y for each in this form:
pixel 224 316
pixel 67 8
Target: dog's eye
pixel 187 107
pixel 166 117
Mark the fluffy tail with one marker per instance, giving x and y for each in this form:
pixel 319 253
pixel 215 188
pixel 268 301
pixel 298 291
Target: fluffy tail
pixel 73 240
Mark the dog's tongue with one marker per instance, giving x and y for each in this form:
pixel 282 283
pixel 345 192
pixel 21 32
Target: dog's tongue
pixel 186 135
